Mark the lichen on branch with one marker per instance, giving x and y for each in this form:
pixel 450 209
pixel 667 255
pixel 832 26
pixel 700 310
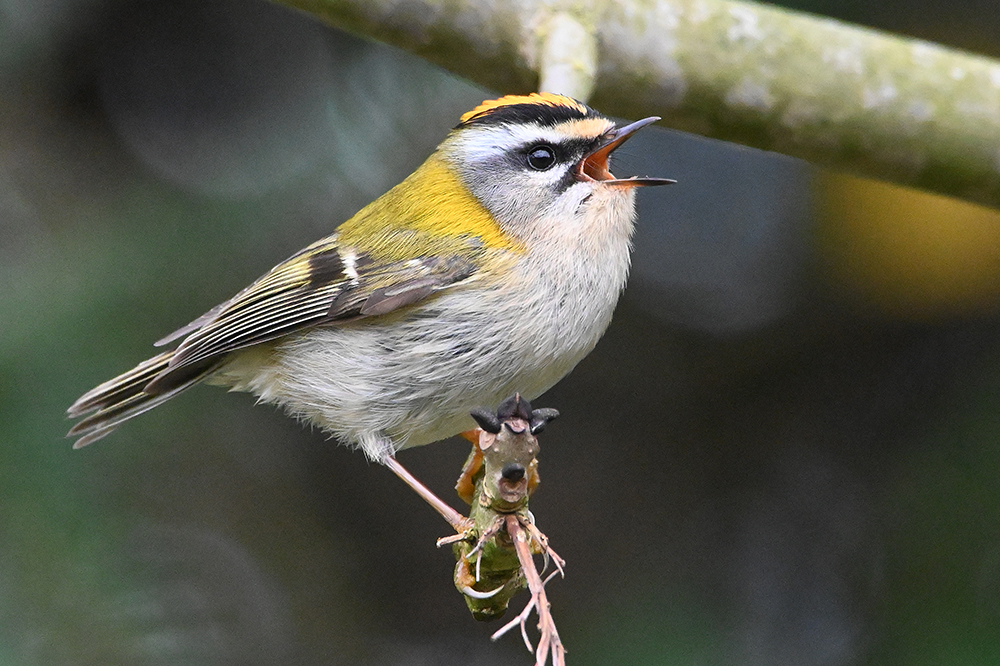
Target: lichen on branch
pixel 850 98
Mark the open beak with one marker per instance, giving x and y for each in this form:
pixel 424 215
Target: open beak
pixel 594 166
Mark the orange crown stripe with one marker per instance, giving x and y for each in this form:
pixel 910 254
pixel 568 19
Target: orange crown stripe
pixel 548 99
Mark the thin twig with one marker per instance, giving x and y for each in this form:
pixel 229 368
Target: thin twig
pixel 548 642
pixel 521 620
pixel 543 541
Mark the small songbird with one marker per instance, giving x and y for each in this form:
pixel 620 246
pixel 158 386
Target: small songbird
pixel 492 269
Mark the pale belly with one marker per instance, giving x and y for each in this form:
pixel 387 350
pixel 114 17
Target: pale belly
pixel 389 385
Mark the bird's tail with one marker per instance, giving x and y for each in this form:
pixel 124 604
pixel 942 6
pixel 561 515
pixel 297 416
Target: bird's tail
pixel 119 399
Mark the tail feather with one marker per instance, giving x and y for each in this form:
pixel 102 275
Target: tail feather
pixel 124 397
pixel 122 386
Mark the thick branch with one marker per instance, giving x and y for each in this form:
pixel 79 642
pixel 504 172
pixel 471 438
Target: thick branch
pixel 895 109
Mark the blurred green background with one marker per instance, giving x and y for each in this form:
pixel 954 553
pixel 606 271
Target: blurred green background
pixel 785 451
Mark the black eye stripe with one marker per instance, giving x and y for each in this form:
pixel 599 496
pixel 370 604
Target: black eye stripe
pixel 565 151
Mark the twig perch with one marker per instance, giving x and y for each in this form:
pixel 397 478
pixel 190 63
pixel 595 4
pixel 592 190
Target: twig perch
pixel 549 639
pixel 878 105
pixel 494 546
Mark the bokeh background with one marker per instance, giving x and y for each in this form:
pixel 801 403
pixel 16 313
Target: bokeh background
pixel 785 450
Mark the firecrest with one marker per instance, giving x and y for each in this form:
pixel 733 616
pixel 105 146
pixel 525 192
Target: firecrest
pixel 492 269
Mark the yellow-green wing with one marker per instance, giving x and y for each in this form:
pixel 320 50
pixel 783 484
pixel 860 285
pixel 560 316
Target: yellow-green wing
pixel 321 285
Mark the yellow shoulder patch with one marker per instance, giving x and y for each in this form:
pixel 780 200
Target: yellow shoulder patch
pixel 431 212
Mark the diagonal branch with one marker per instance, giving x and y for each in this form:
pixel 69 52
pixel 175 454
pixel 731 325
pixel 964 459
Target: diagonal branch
pixel 895 109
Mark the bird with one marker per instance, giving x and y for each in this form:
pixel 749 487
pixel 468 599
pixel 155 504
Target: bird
pixel 492 269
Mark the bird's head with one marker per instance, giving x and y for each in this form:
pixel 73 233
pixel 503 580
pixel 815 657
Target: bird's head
pixel 539 159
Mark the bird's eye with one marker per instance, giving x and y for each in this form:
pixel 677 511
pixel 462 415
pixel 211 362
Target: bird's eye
pixel 541 157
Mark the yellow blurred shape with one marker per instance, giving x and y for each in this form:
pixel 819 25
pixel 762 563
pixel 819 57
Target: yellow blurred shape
pixel 906 252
